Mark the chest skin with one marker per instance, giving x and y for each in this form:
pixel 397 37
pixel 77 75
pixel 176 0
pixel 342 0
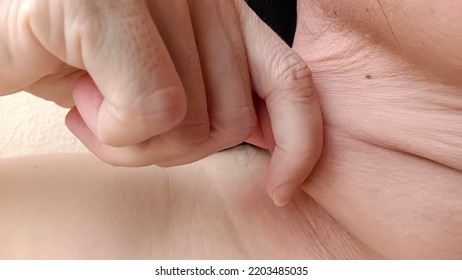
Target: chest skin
pixel 391 166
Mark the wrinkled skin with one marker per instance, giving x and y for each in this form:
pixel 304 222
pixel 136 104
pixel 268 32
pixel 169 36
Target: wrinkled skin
pixel 388 75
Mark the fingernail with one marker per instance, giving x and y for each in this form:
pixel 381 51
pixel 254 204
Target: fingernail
pixel 282 194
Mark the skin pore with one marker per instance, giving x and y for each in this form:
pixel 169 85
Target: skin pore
pixel 387 184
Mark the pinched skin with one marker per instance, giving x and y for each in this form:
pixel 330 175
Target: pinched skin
pixel 388 76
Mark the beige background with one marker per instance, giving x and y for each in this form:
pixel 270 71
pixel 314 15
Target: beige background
pixel 30 125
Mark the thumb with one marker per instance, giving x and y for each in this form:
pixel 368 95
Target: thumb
pixel 117 43
pixel 283 81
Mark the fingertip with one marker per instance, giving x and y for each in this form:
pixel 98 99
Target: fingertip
pixel 282 195
pixel 288 170
pixel 75 124
pixel 70 117
pixel 283 179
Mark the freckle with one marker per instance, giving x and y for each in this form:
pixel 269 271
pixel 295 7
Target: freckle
pixel 368 76
pixel 335 13
pixel 35 166
pixel 368 10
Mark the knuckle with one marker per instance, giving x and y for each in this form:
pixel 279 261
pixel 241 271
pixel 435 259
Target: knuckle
pixel 168 104
pixel 294 77
pixel 149 114
pixel 293 72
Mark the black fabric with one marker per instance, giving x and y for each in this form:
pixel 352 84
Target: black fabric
pixel 280 15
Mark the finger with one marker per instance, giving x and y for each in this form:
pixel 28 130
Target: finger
pixel 23 58
pixel 174 23
pixel 156 150
pixel 282 79
pixel 153 151
pixel 120 47
pixel 224 64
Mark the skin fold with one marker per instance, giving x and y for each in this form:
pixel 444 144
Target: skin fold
pixel 391 165
pixel 387 184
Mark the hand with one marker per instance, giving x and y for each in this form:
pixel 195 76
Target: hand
pixel 128 75
pixel 128 70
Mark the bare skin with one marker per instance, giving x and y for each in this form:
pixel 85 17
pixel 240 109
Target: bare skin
pixel 391 166
pixel 71 206
pixel 387 185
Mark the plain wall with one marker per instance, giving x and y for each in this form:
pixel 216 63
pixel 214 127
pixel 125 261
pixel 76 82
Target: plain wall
pixel 30 125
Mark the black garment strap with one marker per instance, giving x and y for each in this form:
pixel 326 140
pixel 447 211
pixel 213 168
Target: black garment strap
pixel 280 15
